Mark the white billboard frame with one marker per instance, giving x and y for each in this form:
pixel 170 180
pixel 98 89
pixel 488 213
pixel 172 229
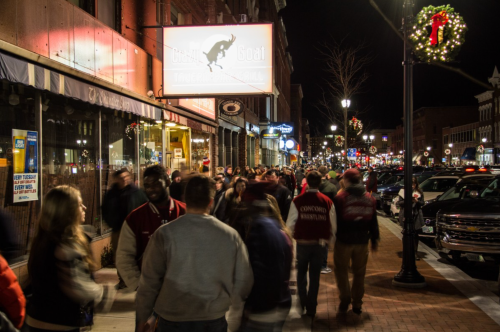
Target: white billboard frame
pixel 209 70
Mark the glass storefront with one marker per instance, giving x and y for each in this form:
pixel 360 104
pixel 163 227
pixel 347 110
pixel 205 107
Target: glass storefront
pixel 70 150
pixel 178 147
pixel 82 145
pixel 200 144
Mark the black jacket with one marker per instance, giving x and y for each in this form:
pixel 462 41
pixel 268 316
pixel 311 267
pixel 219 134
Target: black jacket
pixel 284 197
pixel 117 204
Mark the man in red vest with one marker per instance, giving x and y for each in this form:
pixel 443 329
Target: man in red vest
pixel 357 224
pixel 141 223
pixel 313 222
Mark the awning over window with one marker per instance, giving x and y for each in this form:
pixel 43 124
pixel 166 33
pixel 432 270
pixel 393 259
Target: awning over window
pixel 469 154
pixel 20 71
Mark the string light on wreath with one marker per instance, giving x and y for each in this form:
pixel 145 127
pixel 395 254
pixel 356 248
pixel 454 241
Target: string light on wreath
pixel 480 148
pixel 85 153
pixel 373 149
pixel 438 33
pixel 339 140
pixel 132 129
pixel 447 151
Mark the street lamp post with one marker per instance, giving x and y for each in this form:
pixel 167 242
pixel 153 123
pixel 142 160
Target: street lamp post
pixel 368 141
pixel 484 143
pixel 345 104
pixel 450 146
pixel 408 276
pixel 429 153
pixel 333 128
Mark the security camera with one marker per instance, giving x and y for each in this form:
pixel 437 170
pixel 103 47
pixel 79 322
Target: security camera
pixel 151 94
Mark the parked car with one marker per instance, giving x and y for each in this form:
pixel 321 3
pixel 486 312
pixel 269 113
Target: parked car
pixel 465 190
pixel 471 227
pixel 431 186
pixel 390 193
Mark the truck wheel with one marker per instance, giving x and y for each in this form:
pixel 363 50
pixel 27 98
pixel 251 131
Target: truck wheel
pixel 456 257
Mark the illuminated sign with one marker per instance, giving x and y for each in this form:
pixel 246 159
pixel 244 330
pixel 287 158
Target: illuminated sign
pixel 203 106
pixel 290 144
pixel 286 128
pixel 214 60
pixel 267 134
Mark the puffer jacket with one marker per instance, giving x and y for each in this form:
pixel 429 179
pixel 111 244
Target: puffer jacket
pixel 12 300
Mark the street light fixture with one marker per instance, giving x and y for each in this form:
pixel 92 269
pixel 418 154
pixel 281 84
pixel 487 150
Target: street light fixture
pixel 333 127
pixel 368 141
pixel 345 105
pixel 484 141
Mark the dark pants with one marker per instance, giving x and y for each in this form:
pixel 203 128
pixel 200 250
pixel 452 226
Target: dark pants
pixel 309 256
pixel 325 257
pixel 216 325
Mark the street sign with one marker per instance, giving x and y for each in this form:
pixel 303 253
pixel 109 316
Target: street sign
pixel 351 153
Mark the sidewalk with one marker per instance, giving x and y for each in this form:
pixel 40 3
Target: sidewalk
pixel 451 301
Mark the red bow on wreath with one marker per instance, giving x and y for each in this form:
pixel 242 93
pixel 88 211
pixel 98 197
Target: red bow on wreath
pixel 438 20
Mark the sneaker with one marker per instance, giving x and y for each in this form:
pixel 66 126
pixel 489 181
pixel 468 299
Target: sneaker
pixel 326 270
pixel 357 311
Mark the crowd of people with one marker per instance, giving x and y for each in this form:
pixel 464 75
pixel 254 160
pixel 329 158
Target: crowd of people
pixel 202 253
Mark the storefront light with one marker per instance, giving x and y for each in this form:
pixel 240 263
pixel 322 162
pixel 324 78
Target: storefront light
pixel 110 146
pixel 171 124
pixel 159 121
pixel 183 128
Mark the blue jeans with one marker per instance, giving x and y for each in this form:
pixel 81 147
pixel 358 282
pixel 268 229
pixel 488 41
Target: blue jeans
pixel 216 325
pixel 309 256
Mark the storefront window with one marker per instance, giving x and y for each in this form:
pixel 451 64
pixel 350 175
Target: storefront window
pixel 17 111
pixel 200 148
pixel 178 147
pixel 150 144
pixel 118 147
pixel 70 142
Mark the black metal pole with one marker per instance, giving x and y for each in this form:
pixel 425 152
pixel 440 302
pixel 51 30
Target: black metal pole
pixel 408 276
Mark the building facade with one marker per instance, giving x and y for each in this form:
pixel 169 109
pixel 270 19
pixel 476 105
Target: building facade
pixel 86 77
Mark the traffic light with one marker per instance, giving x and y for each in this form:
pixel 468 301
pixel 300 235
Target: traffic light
pixel 358 154
pixel 367 158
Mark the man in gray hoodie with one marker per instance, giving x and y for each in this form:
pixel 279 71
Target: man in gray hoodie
pixel 194 268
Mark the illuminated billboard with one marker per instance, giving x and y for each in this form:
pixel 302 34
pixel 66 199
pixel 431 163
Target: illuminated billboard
pixel 218 60
pixel 202 106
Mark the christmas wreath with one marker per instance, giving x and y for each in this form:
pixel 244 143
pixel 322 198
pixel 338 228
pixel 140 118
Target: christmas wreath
pixel 373 149
pixel 339 140
pixel 132 129
pixel 480 148
pixel 438 33
pixel 85 153
pixel 355 125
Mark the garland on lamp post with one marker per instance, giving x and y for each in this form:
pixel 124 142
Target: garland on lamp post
pixel 438 33
pixel 355 126
pixel 339 140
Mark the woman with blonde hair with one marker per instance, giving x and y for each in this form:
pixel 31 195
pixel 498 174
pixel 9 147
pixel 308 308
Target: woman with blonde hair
pixel 60 264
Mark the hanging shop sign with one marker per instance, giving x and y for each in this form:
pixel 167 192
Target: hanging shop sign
pixel 231 107
pixel 218 60
pixel 25 162
pixel 286 128
pixel 268 134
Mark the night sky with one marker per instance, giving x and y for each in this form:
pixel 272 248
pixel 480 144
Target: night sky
pixel 312 22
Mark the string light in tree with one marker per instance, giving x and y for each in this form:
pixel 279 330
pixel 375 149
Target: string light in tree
pixel 438 33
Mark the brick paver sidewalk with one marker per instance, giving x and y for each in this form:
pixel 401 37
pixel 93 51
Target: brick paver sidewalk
pixel 438 307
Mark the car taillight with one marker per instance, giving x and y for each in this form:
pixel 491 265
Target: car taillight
pixel 469 169
pixel 482 170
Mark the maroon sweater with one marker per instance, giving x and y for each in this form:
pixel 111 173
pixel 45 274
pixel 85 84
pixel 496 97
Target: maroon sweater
pixel 313 222
pixel 146 219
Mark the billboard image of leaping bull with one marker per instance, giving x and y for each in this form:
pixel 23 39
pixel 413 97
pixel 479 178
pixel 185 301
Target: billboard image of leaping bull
pixel 216 60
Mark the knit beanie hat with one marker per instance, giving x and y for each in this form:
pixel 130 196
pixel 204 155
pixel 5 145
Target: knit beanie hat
pixel 332 174
pixel 206 161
